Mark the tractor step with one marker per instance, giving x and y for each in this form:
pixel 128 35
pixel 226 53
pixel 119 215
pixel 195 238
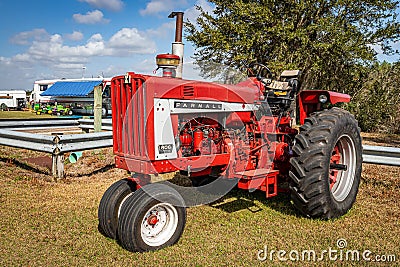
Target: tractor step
pixel 262 179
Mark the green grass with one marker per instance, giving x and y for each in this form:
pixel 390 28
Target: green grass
pixel 44 223
pixel 23 115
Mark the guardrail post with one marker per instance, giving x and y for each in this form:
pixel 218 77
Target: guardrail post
pixel 57 167
pixel 97 107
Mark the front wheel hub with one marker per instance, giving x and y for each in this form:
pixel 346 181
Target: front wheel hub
pixel 159 224
pixel 152 220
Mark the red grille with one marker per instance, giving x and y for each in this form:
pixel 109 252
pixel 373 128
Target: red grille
pixel 129 115
pixel 188 91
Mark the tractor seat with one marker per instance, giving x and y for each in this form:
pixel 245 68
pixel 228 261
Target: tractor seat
pixel 284 85
pixel 279 88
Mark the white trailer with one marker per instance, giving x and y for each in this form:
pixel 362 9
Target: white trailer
pixel 39 87
pixel 12 99
pixel 67 92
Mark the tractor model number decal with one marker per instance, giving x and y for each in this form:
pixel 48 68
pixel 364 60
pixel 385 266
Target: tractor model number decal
pixel 197 105
pixel 164 149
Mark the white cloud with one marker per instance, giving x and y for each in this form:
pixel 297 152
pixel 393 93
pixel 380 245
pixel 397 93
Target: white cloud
pixel 114 5
pixel 24 38
pixel 165 30
pixel 22 58
pixel 113 70
pixel 130 41
pixel 52 52
pixel 53 56
pixel 155 7
pixel 75 36
pixel 4 60
pixel 96 38
pixel 193 13
pixel 192 72
pixel 91 17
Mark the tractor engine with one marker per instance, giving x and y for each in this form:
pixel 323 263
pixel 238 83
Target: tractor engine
pixel 200 137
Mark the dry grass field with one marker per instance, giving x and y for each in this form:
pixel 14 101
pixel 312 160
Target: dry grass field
pixel 47 223
pixel 23 115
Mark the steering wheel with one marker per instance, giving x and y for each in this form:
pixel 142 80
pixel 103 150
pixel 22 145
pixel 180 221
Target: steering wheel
pixel 260 71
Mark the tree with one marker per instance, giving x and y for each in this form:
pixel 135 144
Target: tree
pixel 330 41
pixel 377 103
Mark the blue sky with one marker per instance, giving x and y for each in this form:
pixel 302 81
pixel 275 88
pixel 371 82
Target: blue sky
pixel 46 39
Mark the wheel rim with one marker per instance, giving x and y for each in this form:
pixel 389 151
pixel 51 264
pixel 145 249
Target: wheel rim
pixel 342 168
pixel 159 224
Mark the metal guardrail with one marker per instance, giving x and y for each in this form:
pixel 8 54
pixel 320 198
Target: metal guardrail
pixel 38 124
pixel 32 124
pixel 381 155
pixel 88 124
pixel 36 142
pixel 57 145
pixel 80 142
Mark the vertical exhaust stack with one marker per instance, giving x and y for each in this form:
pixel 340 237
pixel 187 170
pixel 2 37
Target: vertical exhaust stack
pixel 178 46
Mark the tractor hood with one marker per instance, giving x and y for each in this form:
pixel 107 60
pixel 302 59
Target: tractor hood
pixel 171 88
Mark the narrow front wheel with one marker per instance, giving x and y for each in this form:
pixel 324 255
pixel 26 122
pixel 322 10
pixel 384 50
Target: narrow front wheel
pixel 152 218
pixel 110 206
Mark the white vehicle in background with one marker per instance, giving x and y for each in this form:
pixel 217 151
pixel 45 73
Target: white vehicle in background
pixel 12 99
pixel 39 87
pixel 75 94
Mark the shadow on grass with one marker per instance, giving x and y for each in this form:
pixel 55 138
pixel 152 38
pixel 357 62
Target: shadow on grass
pixel 94 172
pixel 238 199
pixel 23 165
pixel 34 169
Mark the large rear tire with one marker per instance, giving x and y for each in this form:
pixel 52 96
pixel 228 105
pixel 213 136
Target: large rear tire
pixel 152 218
pixel 326 167
pixel 110 205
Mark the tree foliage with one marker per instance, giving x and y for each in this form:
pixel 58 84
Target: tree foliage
pixel 325 39
pixel 377 102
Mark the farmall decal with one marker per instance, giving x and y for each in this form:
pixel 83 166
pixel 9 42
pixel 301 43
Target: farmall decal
pixel 197 105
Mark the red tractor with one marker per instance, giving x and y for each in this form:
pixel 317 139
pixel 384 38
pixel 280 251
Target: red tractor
pixel 224 136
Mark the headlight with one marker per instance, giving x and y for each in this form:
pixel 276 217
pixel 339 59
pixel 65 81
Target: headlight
pixel 323 99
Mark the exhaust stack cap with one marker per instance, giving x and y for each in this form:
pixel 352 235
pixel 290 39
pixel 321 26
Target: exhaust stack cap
pixel 179 25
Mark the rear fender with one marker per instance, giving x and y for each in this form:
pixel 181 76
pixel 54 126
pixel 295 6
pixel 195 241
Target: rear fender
pixel 309 101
